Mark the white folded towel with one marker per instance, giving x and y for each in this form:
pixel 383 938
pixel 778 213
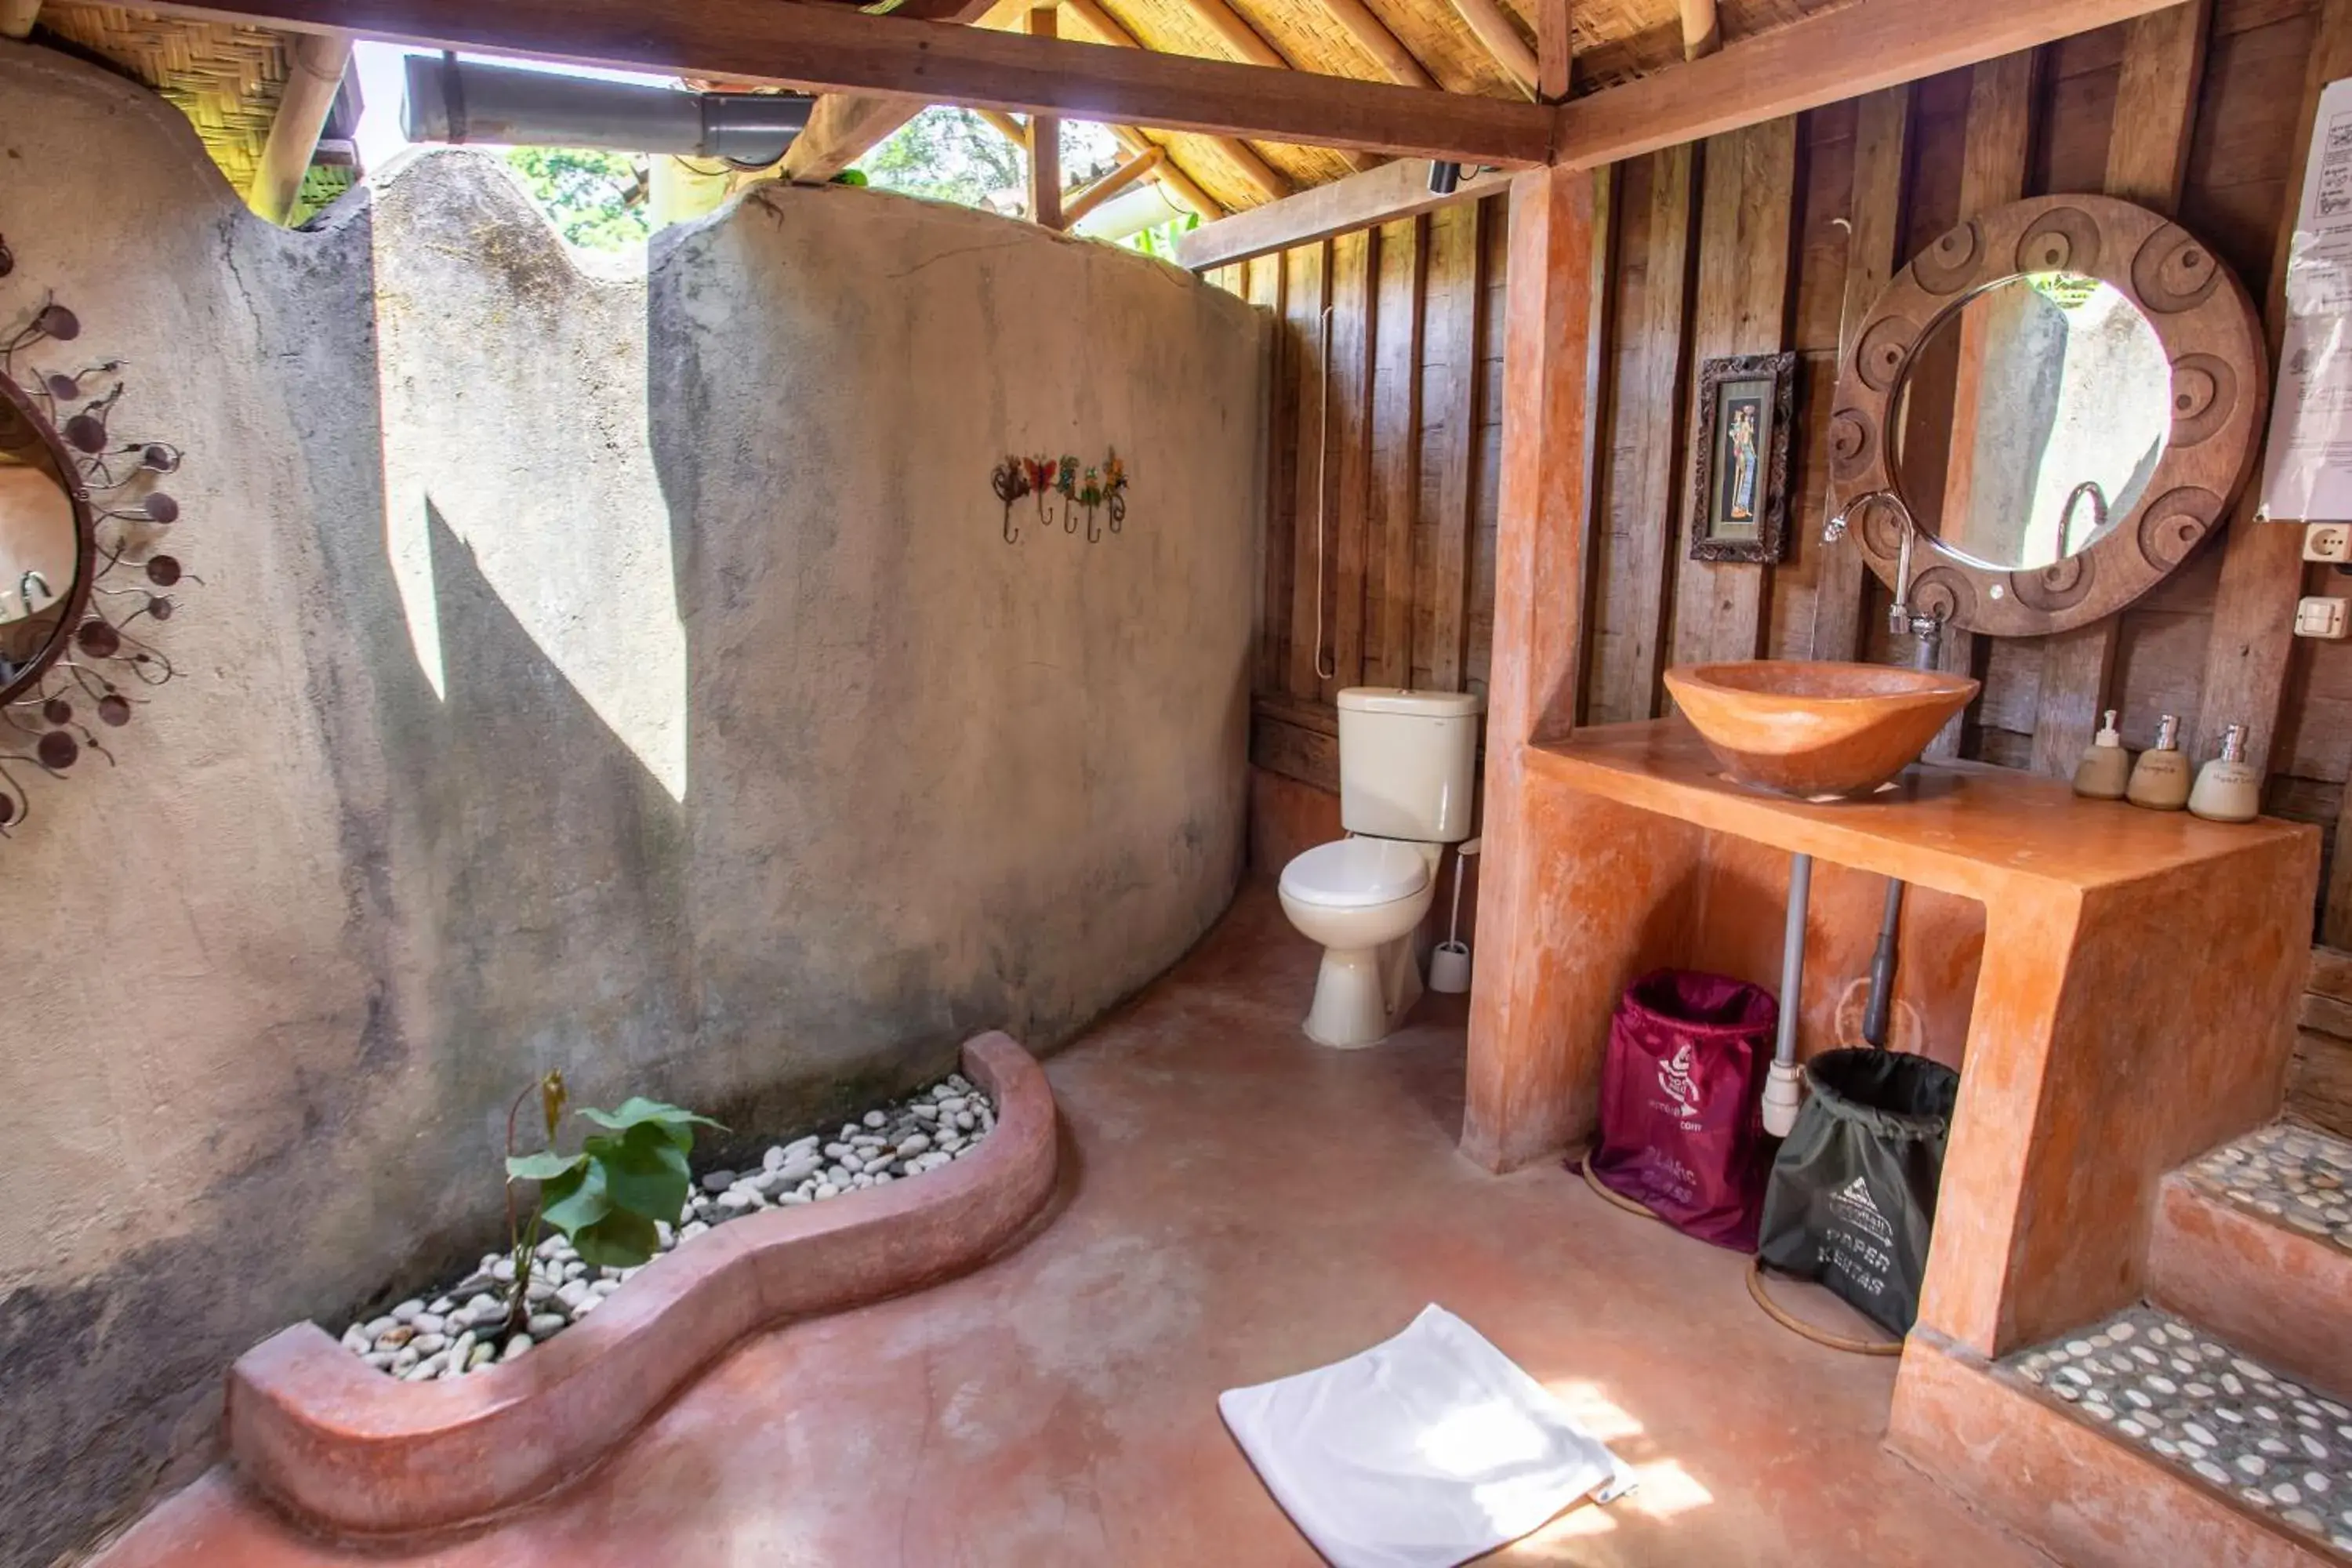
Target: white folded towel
pixel 1423 1452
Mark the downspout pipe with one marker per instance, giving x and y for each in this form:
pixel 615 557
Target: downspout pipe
pixel 461 101
pixel 1781 1089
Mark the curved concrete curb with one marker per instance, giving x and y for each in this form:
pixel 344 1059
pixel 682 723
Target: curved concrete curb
pixel 342 1446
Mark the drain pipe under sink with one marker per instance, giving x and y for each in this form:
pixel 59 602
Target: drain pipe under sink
pixel 1781 1093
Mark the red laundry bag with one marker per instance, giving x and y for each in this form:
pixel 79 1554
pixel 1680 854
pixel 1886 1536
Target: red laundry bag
pixel 1682 1128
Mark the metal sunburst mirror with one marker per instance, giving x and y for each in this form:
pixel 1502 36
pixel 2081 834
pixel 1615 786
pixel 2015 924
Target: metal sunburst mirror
pixel 82 573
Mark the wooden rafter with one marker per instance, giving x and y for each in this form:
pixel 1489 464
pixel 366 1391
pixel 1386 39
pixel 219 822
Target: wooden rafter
pixel 1264 177
pixel 1702 31
pixel 1864 47
pixel 1235 33
pixel 1078 203
pixel 842 129
pixel 827 48
pixel 1372 36
pixel 1501 38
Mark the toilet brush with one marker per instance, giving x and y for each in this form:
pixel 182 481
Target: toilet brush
pixel 1449 967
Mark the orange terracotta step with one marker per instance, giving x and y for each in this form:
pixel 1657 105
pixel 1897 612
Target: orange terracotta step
pixel 2103 1450
pixel 2254 1240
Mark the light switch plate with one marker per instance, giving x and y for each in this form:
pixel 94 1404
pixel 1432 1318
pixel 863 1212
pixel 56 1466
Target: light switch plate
pixel 2327 542
pixel 2321 619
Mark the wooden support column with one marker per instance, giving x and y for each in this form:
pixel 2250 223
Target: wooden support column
pixel 1873 243
pixel 1044 142
pixel 2147 159
pixel 1747 227
pixel 1994 165
pixel 1517 1108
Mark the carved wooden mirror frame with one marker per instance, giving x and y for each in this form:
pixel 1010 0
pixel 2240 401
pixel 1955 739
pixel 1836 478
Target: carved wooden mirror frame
pixel 2221 389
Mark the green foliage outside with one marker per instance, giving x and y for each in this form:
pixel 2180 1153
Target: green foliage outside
pixel 595 200
pixel 607 1198
pixel 953 156
pixel 1160 240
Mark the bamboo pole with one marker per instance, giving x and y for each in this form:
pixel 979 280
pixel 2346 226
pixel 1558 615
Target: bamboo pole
pixel 314 76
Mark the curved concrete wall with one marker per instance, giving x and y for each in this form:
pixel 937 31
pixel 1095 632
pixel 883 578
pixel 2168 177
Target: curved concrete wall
pixel 623 676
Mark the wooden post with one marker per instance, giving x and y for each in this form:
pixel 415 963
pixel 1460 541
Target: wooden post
pixel 1045 141
pixel 17 16
pixel 1702 32
pixel 1531 689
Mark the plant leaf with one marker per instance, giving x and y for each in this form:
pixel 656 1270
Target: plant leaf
pixel 642 1171
pixel 576 1200
pixel 619 1240
pixel 676 1123
pixel 543 1166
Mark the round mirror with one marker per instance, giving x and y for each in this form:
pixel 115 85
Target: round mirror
pixel 42 538
pixel 2030 420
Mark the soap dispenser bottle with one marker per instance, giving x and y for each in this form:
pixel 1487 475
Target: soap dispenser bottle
pixel 2106 767
pixel 2159 779
pixel 2228 788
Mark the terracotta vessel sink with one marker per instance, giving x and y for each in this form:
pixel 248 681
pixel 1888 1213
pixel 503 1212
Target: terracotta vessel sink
pixel 1807 729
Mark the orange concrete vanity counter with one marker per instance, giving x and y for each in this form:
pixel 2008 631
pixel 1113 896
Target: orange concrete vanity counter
pixel 2133 1005
pixel 339 1444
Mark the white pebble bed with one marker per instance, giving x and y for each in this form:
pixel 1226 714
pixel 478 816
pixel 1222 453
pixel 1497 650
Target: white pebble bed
pixel 460 1330
pixel 2167 1387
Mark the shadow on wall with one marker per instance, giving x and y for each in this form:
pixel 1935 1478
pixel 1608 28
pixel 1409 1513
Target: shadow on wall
pixel 624 677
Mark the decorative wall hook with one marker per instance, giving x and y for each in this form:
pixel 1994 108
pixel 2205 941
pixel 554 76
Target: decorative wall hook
pixel 70 646
pixel 1100 490
pixel 1011 482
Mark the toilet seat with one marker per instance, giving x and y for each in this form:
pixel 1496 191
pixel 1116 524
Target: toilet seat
pixel 1356 874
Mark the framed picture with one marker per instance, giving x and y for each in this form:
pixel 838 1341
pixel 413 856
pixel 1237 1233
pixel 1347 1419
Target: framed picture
pixel 1739 458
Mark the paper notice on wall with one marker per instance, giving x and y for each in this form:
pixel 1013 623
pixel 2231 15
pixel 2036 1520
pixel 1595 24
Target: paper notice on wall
pixel 2307 470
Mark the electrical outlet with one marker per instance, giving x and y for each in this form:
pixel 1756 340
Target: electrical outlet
pixel 2322 619
pixel 2327 542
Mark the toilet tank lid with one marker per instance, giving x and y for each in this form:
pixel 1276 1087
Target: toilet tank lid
pixel 1420 704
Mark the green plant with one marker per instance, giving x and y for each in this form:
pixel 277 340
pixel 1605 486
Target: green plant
pixel 607 1198
pixel 1160 240
pixel 595 200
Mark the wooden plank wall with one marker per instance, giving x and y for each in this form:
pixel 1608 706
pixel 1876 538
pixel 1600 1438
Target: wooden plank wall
pixel 1773 238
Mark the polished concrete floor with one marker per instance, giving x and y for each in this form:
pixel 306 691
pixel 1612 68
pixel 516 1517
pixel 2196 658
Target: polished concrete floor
pixel 1241 1205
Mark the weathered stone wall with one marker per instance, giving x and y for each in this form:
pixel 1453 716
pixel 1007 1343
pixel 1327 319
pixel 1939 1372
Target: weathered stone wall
pixel 622 677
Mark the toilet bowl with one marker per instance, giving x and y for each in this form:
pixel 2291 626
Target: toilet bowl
pixel 1362 898
pixel 1407 769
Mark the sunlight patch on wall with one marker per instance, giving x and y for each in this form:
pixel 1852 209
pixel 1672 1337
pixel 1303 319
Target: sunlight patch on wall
pixel 483 353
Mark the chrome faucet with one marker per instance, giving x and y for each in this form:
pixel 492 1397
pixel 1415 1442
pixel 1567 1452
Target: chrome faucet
pixel 1900 619
pixel 2066 513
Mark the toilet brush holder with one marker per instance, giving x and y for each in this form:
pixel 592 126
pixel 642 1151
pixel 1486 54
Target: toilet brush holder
pixel 1449 968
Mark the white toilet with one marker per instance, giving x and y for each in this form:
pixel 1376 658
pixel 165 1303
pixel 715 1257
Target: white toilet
pixel 1407 762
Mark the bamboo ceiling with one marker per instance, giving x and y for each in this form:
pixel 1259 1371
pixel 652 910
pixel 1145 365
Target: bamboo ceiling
pixel 226 79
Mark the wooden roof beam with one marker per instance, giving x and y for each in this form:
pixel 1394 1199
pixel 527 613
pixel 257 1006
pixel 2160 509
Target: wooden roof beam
pixel 1868 44
pixel 1077 204
pixel 1179 185
pixel 843 129
pixel 1264 177
pixel 830 49
pixel 1234 31
pixel 1825 57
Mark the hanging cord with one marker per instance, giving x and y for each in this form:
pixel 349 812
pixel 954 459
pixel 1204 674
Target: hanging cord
pixel 1804 1329
pixel 1772 1308
pixel 1322 492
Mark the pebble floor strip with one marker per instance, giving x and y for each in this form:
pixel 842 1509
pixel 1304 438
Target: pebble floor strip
pixel 2167 1387
pixel 2291 1174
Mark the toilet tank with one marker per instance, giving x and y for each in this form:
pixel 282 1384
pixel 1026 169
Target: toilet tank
pixel 1408 761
